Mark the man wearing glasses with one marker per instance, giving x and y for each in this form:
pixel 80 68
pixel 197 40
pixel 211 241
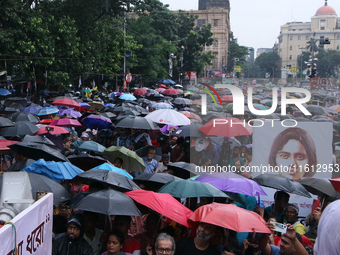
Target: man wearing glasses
pixel 165 244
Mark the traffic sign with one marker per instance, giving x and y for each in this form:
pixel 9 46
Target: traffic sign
pixel 324 82
pixel 315 81
pixel 128 77
pixel 293 69
pixel 237 69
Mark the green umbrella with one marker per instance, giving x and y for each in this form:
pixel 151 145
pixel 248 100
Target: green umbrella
pixel 131 161
pixel 191 188
pixel 86 91
pixel 88 146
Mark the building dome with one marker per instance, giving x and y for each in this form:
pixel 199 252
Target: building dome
pixel 325 10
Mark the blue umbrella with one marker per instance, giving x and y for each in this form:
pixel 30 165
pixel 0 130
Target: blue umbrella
pixel 128 97
pixel 88 146
pixel 47 111
pixel 112 168
pixel 166 82
pixel 31 109
pixel 56 171
pixel 109 104
pixel 4 92
pixel 97 122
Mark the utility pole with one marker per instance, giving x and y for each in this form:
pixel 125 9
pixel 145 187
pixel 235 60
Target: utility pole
pixel 124 68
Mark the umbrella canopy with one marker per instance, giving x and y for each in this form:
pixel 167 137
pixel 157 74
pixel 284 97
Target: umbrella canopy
pixel 281 183
pixel 171 91
pixel 108 115
pixel 86 161
pixel 69 113
pixel 319 187
pixel 231 182
pixel 131 161
pixel 16 100
pixel 190 188
pixel 140 92
pixel 5 122
pixel 45 121
pixel 192 115
pixel 24 116
pixel 127 97
pixel 96 105
pixel 160 89
pixel 138 123
pixel 53 130
pixel 316 110
pixel 97 122
pixel 227 127
pixel 161 178
pixel 31 109
pixel 57 171
pixel 38 151
pixel 161 106
pixel 4 92
pixel 43 183
pixel 37 139
pixel 66 123
pixel 182 169
pixel 162 203
pixel 190 130
pixel 5 143
pixel 47 111
pixel 239 219
pixel 112 168
pixel 88 146
pixel 168 116
pixel 182 101
pixel 335 107
pixel 19 165
pixel 113 179
pixel 20 129
pixel 66 102
pixel 109 202
pixel 162 86
pixel 166 82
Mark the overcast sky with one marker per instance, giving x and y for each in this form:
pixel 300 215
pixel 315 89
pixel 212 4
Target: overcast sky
pixel 256 23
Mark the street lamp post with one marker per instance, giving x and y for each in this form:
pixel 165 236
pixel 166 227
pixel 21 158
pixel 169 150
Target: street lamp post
pixel 171 57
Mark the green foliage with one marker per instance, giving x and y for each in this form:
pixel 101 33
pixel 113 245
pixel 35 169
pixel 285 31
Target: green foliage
pixel 328 63
pixel 268 62
pixel 251 70
pixel 236 52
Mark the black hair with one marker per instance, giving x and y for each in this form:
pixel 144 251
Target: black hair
pixel 233 249
pixel 180 140
pixel 59 224
pixel 281 194
pixel 119 235
pixel 123 217
pixel 120 159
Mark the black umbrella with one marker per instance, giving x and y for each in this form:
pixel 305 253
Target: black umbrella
pixel 183 170
pixel 273 116
pixel 144 102
pixel 11 101
pixel 281 183
pixel 316 110
pixel 213 115
pixel 121 108
pixel 108 114
pixel 20 129
pixel 37 139
pixel 86 161
pixel 19 165
pixel 43 183
pixel 302 119
pixel 138 123
pixel 116 180
pixel 181 101
pixel 4 122
pixel 109 202
pixel 24 116
pixel 190 130
pixel 161 178
pixel 8 110
pixel 319 187
pixel 37 151
pixel 142 152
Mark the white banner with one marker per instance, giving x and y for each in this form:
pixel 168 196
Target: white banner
pixel 33 230
pixel 307 147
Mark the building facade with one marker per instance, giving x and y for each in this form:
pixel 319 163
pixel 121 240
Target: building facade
pixel 294 36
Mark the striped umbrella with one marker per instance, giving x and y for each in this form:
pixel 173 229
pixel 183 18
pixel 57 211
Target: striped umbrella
pixel 47 111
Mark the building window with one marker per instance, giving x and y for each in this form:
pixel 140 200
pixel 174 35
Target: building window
pixel 307 37
pixel 200 22
pixel 300 29
pixel 291 47
pixel 215 43
pixel 338 47
pixel 215 22
pixel 322 24
pixel 291 38
pixel 338 37
pixel 290 57
pixel 293 29
pixel 298 47
pixel 215 52
pixel 299 38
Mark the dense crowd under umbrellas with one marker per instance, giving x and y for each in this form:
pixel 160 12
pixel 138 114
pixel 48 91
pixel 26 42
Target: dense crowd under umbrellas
pixel 128 172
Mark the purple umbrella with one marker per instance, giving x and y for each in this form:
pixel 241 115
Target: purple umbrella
pixel 69 113
pixel 231 182
pixel 166 128
pixel 31 109
pixel 82 104
pixel 188 109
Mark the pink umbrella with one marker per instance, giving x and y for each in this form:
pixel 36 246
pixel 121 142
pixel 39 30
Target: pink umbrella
pixel 66 102
pixel 53 130
pixel 66 123
pixel 160 89
pixel 171 91
pixel 140 92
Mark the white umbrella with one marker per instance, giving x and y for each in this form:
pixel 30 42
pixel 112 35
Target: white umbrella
pixel 169 117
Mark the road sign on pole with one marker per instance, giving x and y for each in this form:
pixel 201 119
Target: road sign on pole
pixel 128 77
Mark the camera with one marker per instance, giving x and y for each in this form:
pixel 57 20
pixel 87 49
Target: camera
pixel 48 129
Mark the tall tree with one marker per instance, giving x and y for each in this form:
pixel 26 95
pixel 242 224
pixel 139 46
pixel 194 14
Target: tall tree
pixel 269 62
pixel 236 53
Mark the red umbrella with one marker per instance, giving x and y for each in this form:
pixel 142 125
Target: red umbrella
pixel 66 102
pixel 227 126
pixel 336 183
pixel 171 91
pixel 66 123
pixel 227 98
pixel 161 85
pixel 5 143
pixel 238 219
pixel 140 92
pixel 162 203
pixel 191 115
pixel 45 121
pixel 54 130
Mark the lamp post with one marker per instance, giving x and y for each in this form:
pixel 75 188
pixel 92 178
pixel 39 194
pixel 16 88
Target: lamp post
pixel 171 57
